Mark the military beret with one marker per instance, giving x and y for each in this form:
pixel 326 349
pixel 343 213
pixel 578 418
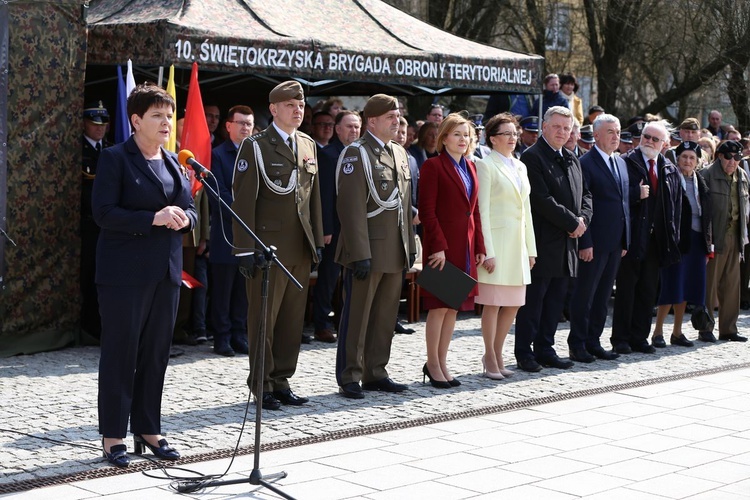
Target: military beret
pixel 688 146
pixel 379 104
pixel 636 129
pixel 96 112
pixel 530 123
pixel 626 137
pixel 690 124
pixel 729 147
pixel 587 134
pixel 284 91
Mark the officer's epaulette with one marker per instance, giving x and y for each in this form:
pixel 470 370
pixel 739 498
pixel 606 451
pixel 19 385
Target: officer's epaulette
pixel 303 135
pixel 357 143
pixel 257 136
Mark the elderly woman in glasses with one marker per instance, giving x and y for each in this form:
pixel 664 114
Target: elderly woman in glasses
pixel 505 213
pixel 685 281
pixel 728 186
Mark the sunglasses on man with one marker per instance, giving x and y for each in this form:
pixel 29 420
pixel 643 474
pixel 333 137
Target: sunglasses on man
pixel 732 156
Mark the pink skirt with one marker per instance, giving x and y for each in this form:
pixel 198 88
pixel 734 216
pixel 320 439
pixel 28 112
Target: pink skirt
pixel 501 295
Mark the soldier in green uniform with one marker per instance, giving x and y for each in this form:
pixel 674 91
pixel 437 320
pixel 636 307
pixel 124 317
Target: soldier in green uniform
pixel 95 122
pixel 276 194
pixel 375 245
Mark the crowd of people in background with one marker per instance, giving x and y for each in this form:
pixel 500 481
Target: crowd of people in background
pixel 549 217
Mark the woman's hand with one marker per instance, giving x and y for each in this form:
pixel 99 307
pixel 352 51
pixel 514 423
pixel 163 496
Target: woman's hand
pixel 437 260
pixel 489 264
pixel 532 261
pixel 171 217
pixel 480 259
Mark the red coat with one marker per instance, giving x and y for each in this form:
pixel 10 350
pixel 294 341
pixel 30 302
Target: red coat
pixel 450 219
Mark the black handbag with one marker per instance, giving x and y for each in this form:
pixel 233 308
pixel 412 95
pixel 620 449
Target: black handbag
pixel 702 319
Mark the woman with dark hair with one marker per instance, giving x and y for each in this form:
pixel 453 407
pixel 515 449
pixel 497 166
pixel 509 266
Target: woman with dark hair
pixel 142 202
pixel 452 232
pixel 508 233
pixel 568 88
pixel 426 145
pixel 685 281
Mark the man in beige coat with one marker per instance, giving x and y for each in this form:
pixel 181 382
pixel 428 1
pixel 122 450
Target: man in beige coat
pixel 276 194
pixel 375 245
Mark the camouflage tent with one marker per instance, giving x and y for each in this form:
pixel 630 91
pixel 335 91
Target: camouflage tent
pixel 42 63
pixel 354 46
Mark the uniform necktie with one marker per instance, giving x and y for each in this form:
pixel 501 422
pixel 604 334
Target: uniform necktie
pixel 290 142
pixel 652 174
pixel 98 147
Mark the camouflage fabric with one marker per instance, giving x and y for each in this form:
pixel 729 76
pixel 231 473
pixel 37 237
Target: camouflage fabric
pixel 39 305
pixel 299 38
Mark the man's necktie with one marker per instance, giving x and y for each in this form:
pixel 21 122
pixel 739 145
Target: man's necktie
pixel 98 147
pixel 652 174
pixel 615 173
pixel 290 143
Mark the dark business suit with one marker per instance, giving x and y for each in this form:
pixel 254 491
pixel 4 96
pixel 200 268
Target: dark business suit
pixel 328 270
pixel 608 235
pixel 229 299
pixel 654 243
pixel 558 198
pixel 138 275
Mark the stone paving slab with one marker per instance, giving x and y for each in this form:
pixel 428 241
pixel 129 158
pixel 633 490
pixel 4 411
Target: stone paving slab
pixel 53 395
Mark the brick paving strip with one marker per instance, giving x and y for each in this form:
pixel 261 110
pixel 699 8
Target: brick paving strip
pixel 53 395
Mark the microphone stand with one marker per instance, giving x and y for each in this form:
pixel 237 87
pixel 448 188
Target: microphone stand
pixel 269 252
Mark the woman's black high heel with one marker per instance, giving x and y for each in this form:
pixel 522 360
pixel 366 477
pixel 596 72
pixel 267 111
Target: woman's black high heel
pixel 163 451
pixel 439 384
pixel 117 455
pixel 454 382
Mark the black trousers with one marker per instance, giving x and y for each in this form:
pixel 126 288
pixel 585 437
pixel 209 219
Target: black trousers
pixel 325 286
pixel 228 303
pixel 137 323
pixel 536 322
pixel 637 289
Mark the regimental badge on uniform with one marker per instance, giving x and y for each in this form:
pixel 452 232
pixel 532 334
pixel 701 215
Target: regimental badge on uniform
pixel 383 185
pixel 347 168
pixel 242 165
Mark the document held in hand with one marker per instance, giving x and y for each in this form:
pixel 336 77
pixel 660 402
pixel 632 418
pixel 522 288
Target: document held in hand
pixel 451 285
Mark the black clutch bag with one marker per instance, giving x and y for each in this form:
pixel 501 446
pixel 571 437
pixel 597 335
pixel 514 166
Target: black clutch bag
pixel 702 319
pixel 451 285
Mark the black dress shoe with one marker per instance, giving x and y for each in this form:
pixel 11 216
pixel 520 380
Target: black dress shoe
pixel 555 362
pixel 385 385
pixel 528 365
pixel 117 455
pixel 454 382
pixel 306 339
pixel 733 337
pixel 239 346
pixel 287 397
pixel 581 355
pixel 163 451
pixel 745 305
pixel 270 402
pixel 402 329
pixel 658 341
pixel 223 349
pixel 706 337
pixel 622 348
pixel 352 390
pixel 643 347
pixel 600 353
pixel 680 340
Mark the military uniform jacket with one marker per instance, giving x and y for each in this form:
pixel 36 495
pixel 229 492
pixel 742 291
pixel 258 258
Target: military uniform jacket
pixel 278 198
pixel 366 177
pixel 90 158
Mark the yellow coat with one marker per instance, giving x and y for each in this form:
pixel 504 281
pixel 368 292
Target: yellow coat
pixel 505 211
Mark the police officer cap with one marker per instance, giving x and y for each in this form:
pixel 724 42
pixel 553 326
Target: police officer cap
pixel 688 146
pixel 379 104
pixel 676 136
pixel 636 129
pixel 690 124
pixel 729 147
pixel 626 137
pixel 530 124
pixel 96 112
pixel 286 90
pixel 587 134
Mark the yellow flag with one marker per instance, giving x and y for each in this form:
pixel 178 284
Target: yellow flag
pixel 172 144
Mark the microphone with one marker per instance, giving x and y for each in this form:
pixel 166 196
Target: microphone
pixel 187 159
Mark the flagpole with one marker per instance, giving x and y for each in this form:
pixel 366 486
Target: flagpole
pixel 161 75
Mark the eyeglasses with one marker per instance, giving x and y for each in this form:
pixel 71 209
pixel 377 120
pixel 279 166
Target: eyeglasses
pixel 732 156
pixel 323 124
pixel 649 138
pixel 506 134
pixel 243 124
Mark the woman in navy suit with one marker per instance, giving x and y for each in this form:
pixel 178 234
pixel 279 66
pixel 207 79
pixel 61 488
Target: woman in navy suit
pixel 142 202
pixel 452 230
